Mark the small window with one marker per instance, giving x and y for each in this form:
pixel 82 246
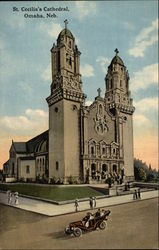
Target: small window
pixel 69 44
pixel 114 150
pixel 57 165
pixel 27 169
pixel 92 150
pixel 120 83
pixel 103 150
pixel 70 61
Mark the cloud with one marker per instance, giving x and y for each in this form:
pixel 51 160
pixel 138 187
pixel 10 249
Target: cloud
pixel 104 62
pixel 88 103
pixel 52 29
pixel 147 104
pixel 141 120
pixel 46 74
pixel 145 77
pixel 16 21
pixel 32 121
pixel 85 8
pixel 87 70
pixel 147 37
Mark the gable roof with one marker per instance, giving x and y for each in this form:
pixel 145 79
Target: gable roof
pixel 29 146
pixel 20 147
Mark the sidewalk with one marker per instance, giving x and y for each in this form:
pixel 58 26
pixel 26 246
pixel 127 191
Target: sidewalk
pixel 49 209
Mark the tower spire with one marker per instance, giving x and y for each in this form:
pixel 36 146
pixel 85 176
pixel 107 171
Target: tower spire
pixel 66 22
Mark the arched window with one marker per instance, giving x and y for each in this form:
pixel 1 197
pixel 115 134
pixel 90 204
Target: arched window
pixel 111 84
pixel 57 165
pixel 103 150
pixel 92 150
pixel 69 44
pixel 70 61
pixel 121 83
pixel 27 169
pixel 101 109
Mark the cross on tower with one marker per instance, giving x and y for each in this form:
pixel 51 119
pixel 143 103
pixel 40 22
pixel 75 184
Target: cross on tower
pixel 99 92
pixel 66 22
pixel 116 51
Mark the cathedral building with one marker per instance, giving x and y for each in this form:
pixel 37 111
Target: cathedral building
pixel 82 142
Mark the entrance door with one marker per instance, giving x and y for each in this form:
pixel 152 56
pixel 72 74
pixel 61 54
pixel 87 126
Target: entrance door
pixel 104 167
pixel 93 170
pixel 115 168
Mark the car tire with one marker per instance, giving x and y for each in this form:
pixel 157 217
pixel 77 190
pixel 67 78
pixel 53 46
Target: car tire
pixel 102 225
pixel 67 230
pixel 77 232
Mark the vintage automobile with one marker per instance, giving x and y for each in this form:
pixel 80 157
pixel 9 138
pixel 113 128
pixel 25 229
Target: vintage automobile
pixel 98 221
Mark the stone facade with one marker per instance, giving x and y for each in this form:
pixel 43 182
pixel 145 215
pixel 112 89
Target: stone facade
pixel 85 143
pixel 84 140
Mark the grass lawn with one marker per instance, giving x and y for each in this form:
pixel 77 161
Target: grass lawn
pixel 55 193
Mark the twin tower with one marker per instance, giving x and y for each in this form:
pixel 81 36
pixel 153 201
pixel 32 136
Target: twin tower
pixel 86 140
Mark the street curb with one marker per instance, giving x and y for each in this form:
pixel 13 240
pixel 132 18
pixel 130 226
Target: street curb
pixel 88 209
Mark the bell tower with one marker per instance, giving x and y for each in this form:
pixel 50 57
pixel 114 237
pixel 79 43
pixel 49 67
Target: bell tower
pixel 119 102
pixel 64 104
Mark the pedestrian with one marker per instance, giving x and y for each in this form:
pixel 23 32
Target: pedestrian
pixel 91 202
pixel 139 194
pixel 8 196
pixel 135 194
pixel 95 203
pixel 16 201
pixel 76 205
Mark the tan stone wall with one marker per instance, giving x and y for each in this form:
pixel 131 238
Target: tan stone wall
pixel 128 146
pixel 71 138
pixel 22 172
pixel 56 140
pixel 64 144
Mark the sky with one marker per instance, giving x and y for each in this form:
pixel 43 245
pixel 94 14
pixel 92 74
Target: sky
pixel 98 27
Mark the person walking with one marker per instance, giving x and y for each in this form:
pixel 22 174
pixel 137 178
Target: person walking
pixel 76 205
pixel 139 194
pixel 8 196
pixel 91 202
pixel 135 194
pixel 16 201
pixel 95 202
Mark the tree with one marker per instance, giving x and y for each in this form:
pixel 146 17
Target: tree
pixel 144 172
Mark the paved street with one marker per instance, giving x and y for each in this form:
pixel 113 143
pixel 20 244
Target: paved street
pixel 52 210
pixel 131 226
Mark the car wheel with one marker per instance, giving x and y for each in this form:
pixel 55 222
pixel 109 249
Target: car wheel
pixel 77 232
pixel 102 225
pixel 67 230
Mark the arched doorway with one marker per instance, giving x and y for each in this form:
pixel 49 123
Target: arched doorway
pixel 114 168
pixel 104 170
pixel 93 170
pixel 104 167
